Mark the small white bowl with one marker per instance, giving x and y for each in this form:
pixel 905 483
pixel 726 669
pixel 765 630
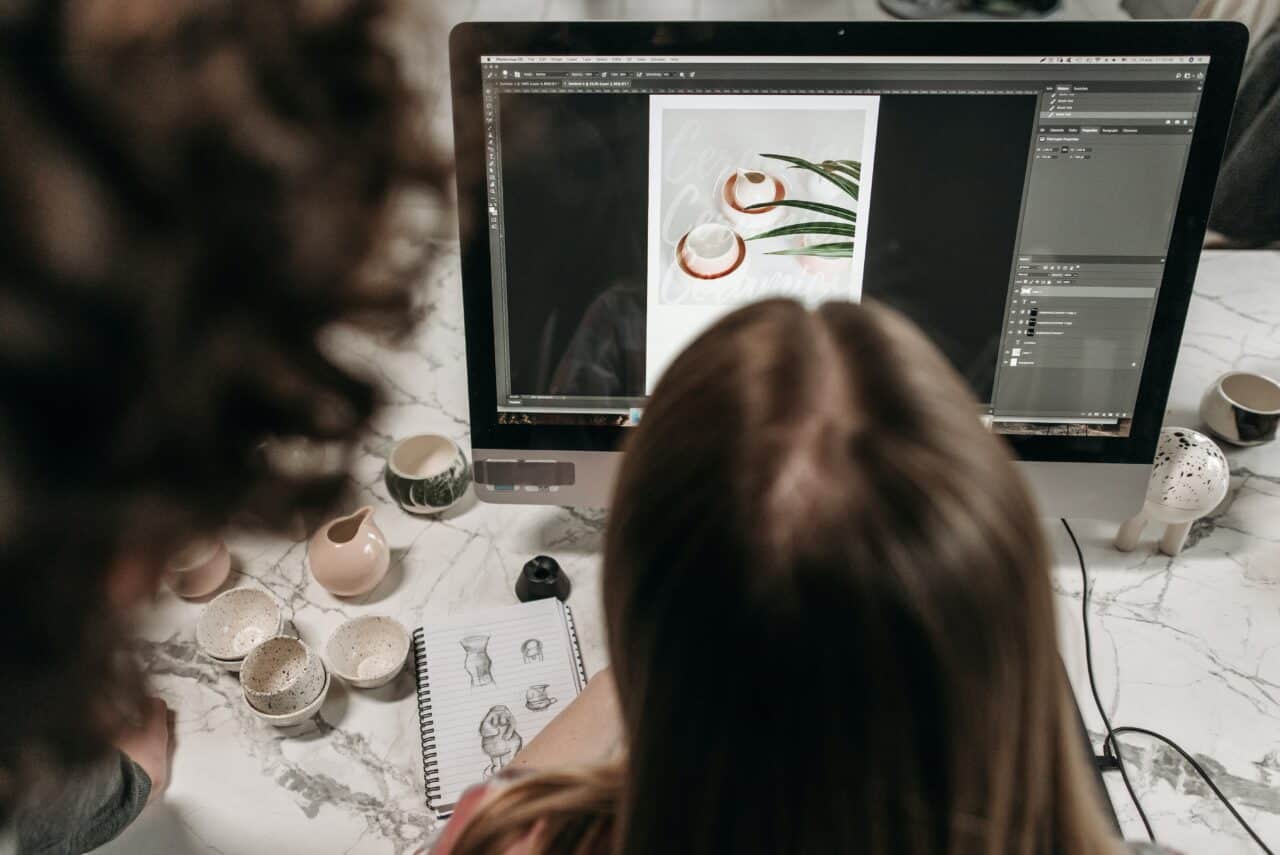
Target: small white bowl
pixel 298 717
pixel 237 621
pixel 282 675
pixel 368 651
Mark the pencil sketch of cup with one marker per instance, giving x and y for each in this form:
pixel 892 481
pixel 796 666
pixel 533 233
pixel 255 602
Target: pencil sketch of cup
pixel 531 650
pixel 477 662
pixel 535 698
pixel 499 739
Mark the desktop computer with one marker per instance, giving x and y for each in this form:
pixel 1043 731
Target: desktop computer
pixel 1033 196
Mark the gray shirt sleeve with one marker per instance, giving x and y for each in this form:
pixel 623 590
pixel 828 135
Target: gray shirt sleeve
pixel 87 811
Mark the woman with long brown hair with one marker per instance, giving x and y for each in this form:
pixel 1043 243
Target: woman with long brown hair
pixel 829 617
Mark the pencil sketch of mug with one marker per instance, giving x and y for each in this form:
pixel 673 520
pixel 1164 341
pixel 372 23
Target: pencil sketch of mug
pixel 499 739
pixel 535 698
pixel 531 650
pixel 477 662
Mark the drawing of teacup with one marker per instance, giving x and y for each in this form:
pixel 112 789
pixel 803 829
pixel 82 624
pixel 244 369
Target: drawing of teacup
pixel 535 698
pixel 711 251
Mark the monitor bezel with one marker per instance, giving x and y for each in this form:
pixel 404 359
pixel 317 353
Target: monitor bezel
pixel 1223 41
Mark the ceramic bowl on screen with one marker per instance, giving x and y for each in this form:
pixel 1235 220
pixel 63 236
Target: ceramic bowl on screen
pixel 711 252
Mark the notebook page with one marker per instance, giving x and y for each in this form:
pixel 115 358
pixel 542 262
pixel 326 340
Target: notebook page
pixel 497 678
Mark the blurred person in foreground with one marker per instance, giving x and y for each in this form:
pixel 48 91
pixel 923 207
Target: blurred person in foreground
pixel 193 195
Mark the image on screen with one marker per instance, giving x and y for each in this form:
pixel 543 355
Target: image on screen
pixel 1018 211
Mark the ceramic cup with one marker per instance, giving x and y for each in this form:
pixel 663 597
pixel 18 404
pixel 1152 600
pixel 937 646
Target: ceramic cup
pixel 199 569
pixel 292 719
pixel 427 473
pixel 281 675
pixel 753 187
pixel 368 651
pixel 235 622
pixel 1242 408
pixel 745 187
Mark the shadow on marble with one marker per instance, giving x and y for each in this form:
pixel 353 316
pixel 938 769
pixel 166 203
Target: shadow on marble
pixel 159 830
pixel 573 531
pixel 334 708
pixel 397 690
pixel 390 583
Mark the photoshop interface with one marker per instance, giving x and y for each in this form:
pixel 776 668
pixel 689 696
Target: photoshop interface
pixel 1018 209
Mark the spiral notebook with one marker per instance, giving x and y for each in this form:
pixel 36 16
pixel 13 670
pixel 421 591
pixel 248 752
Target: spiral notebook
pixel 488 682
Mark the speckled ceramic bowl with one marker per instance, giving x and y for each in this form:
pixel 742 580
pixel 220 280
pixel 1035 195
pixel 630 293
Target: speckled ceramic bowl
pixel 427 473
pixel 282 676
pixel 298 717
pixel 235 622
pixel 368 652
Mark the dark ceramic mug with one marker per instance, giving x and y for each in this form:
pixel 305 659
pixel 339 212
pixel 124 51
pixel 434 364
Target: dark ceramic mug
pixel 1242 408
pixel 427 473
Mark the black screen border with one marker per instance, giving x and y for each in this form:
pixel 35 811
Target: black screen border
pixel 1223 41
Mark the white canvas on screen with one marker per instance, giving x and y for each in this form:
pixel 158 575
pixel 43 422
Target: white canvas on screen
pixel 696 142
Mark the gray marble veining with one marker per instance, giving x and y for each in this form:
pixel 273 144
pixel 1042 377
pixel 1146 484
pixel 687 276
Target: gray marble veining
pixel 1189 646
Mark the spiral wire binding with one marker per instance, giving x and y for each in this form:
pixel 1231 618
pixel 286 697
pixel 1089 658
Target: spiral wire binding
pixel 575 646
pixel 426 724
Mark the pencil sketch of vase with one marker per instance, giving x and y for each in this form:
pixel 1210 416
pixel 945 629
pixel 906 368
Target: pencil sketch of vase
pixel 499 739
pixel 477 662
pixel 531 651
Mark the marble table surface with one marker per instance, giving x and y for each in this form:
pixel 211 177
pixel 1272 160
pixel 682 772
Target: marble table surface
pixel 1187 646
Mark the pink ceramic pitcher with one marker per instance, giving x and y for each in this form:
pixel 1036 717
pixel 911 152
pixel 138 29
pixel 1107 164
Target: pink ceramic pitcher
pixel 349 555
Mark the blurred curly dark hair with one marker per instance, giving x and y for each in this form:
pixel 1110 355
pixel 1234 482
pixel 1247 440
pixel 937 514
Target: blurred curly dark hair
pixel 193 194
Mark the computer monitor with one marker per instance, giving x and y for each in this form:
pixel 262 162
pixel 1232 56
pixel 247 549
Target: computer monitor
pixel 1033 196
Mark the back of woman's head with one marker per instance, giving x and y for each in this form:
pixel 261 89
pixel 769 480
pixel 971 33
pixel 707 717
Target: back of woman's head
pixel 829 609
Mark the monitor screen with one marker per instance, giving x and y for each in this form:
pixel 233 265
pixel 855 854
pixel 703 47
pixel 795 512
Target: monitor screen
pixel 1018 209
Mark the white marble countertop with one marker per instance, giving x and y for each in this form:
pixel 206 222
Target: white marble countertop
pixel 1187 646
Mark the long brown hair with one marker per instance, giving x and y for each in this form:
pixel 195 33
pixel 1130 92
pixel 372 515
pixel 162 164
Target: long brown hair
pixel 829 614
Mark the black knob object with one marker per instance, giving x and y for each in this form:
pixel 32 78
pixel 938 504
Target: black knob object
pixel 542 578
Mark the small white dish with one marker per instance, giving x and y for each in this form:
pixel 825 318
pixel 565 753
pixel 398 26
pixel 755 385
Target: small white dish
pixel 298 717
pixel 235 622
pixel 282 675
pixel 368 651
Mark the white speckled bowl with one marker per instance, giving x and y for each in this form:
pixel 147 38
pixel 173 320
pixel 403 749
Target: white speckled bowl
pixel 281 676
pixel 235 622
pixel 298 717
pixel 368 651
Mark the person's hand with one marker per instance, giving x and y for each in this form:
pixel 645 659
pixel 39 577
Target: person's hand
pixel 148 744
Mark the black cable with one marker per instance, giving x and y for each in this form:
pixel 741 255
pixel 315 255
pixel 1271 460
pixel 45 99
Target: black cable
pixel 1111 746
pixel 1202 773
pixel 1109 738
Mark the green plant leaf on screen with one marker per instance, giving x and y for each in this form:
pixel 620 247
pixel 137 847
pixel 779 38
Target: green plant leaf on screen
pixel 821 250
pixel 816 207
pixel 799 162
pixel 815 228
pixel 854 172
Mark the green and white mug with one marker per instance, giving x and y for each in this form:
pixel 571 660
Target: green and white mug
pixel 427 473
